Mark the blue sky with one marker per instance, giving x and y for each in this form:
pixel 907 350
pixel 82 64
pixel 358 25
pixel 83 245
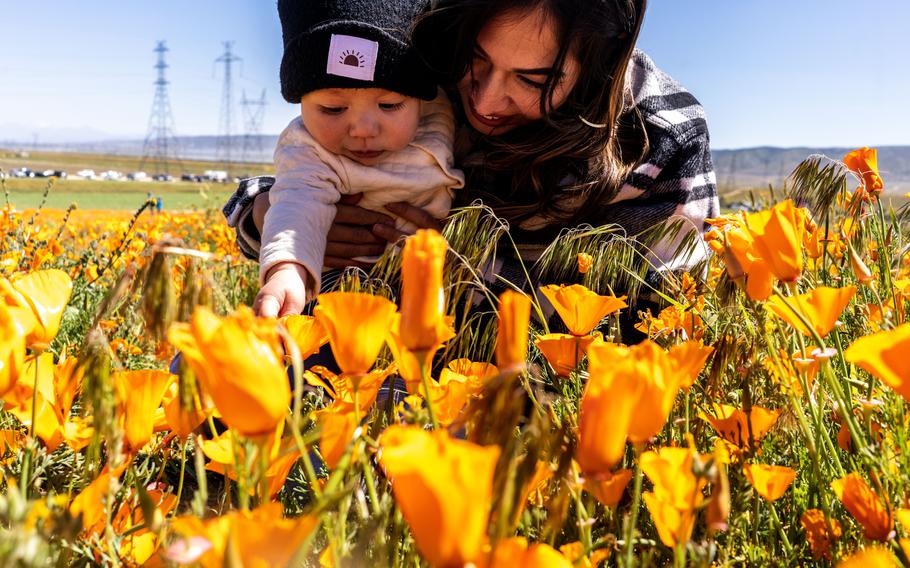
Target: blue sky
pixel 769 72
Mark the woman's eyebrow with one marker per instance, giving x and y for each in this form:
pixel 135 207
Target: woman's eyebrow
pixel 535 71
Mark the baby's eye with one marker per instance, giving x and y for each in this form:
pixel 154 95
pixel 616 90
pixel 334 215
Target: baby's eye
pixel 331 110
pixel 391 106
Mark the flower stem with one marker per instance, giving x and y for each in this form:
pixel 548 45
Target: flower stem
pixel 633 514
pixel 425 380
pixel 182 471
pixel 780 529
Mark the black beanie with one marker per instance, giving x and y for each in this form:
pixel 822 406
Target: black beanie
pixel 351 44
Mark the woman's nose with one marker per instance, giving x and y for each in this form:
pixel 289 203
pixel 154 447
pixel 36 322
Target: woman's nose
pixel 489 94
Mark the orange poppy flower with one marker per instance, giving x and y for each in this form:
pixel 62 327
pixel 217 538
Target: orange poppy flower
pixel 444 489
pixel 821 307
pixel 308 334
pixel 535 489
pixel 357 325
pixel 731 424
pixel 580 308
pixel 281 455
pixel 871 557
pixel 180 420
pixel 449 396
pixel 45 293
pixel 821 533
pixel 409 362
pixel 678 318
pixel 670 469
pixel 258 538
pixel 769 481
pixel 423 322
pixel 777 237
pixel 12 349
pixel 139 394
pixel 765 245
pixel 585 262
pixel 237 359
pixel 864 163
pixel 56 389
pixel 337 425
pixel 630 393
pixel 563 351
pixel 341 387
pixel 677 493
pixel 92 501
pixel 608 488
pixel 864 505
pixel 512 335
pixel 476 373
pixel 575 553
pixel 884 355
pixel 516 551
pixel 860 269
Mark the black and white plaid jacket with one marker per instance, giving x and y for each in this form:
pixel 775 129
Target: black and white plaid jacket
pixel 676 180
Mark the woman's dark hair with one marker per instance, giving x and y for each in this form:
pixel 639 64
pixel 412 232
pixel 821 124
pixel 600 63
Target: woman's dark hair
pixel 594 138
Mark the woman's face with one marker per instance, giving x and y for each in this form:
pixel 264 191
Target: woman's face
pixel 513 58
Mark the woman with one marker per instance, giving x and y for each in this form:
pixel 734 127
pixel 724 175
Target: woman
pixel 563 123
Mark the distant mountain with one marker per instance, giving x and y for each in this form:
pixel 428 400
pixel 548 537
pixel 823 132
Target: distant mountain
pixel 758 167
pixel 744 168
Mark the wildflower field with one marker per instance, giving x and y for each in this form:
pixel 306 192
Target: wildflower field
pixel 763 421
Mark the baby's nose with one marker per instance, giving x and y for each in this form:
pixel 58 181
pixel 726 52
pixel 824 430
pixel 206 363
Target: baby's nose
pixel 364 126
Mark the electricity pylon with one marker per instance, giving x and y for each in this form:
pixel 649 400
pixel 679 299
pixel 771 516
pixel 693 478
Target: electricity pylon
pixel 160 148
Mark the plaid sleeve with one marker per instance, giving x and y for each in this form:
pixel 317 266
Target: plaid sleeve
pixel 238 212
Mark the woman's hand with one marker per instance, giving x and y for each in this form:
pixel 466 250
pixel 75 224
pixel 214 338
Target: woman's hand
pixel 408 212
pixel 352 233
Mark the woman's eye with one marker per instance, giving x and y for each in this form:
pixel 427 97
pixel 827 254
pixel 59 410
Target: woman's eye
pixel 530 83
pixel 391 106
pixel 331 110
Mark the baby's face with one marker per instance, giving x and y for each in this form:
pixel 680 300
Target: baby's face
pixel 362 124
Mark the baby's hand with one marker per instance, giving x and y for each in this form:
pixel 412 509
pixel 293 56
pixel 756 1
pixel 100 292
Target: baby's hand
pixel 284 291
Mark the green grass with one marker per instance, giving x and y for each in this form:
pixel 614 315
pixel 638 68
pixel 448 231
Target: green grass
pixel 125 201
pixel 126 195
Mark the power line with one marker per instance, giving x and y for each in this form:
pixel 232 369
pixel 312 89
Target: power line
pixel 160 147
pixel 223 144
pixel 253 115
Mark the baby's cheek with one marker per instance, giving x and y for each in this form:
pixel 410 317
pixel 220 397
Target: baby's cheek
pixel 405 127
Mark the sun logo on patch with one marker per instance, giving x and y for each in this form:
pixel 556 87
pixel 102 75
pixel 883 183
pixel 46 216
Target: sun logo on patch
pixel 352 58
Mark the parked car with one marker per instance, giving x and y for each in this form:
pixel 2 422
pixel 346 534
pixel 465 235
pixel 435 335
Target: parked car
pixel 112 175
pixel 162 177
pixel 86 174
pixel 22 173
pixel 59 174
pixel 215 175
pixel 137 176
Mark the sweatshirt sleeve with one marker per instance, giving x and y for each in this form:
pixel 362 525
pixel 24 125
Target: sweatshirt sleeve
pixel 238 211
pixel 676 182
pixel 302 206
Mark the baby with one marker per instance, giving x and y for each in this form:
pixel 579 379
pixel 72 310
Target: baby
pixel 371 120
